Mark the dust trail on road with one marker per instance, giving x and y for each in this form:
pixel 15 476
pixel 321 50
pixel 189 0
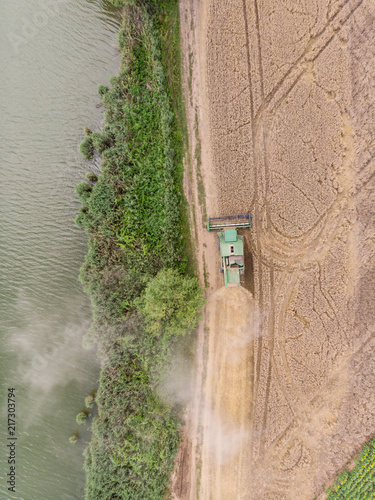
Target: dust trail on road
pixel 232 321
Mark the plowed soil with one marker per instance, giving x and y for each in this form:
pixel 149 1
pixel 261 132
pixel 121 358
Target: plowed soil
pixel 280 105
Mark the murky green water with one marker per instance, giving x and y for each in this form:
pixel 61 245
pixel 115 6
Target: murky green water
pixel 54 54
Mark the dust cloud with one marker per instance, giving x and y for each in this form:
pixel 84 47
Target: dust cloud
pixel 46 361
pixel 232 324
pixel 176 387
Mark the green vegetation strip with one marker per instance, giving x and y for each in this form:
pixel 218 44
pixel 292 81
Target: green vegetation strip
pixel 136 271
pixel 359 483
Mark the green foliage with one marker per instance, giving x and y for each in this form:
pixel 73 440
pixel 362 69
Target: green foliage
pixel 83 189
pixel 83 220
pixel 89 401
pixel 132 215
pixel 358 484
pixel 91 177
pixel 102 90
pixel 82 416
pixel 118 3
pixel 171 303
pixel 100 142
pixel 135 436
pixel 74 437
pixel 86 147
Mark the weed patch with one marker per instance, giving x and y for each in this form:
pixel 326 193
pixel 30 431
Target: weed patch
pixel 359 483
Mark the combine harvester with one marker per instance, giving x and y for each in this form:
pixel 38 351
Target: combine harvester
pixel 232 262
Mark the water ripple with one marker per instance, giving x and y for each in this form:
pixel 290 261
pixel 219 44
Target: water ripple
pixel 49 79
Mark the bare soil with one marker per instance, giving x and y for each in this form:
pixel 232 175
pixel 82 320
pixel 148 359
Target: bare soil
pixel 280 106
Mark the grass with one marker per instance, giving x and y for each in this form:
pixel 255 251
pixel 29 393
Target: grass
pixel 205 274
pixel 198 159
pixel 134 214
pixel 199 469
pixel 190 77
pixel 194 221
pixel 169 28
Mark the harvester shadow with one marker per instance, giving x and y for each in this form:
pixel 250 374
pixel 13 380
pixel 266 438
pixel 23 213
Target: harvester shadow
pixel 248 282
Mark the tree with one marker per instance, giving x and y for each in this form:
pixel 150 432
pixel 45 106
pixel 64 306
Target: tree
pixel 171 303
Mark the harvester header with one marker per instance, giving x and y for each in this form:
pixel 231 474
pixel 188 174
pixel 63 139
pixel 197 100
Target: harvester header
pixel 217 223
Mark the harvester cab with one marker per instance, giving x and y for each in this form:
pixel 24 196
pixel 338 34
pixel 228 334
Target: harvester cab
pixel 232 262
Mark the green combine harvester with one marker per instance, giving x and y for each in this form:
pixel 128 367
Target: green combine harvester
pixel 232 262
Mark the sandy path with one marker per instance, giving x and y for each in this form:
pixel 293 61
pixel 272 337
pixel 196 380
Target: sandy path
pixel 226 425
pixel 280 105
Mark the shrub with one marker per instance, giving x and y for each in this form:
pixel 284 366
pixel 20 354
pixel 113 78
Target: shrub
pixel 118 3
pixel 74 438
pixel 100 142
pixel 82 416
pixel 171 303
pixel 86 147
pixel 89 401
pixel 133 222
pixel 83 189
pixel 102 90
pixel 83 219
pixel 91 177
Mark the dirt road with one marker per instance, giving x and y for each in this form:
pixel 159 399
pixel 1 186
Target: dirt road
pixel 226 425
pixel 281 122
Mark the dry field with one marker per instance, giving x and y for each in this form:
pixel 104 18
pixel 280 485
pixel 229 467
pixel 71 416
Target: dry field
pixel 281 109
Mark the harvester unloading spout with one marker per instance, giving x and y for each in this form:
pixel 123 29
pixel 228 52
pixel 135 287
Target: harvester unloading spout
pixel 232 262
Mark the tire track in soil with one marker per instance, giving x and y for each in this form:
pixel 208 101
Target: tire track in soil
pixel 311 403
pixel 336 30
pixel 266 109
pixel 257 205
pixel 312 51
pixel 262 115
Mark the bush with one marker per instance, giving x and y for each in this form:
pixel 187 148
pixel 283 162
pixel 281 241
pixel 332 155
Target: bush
pixel 118 3
pixel 83 415
pixel 171 303
pixel 100 142
pixel 102 90
pixel 89 401
pixel 74 438
pixel 91 177
pixel 84 189
pixel 83 219
pixel 86 147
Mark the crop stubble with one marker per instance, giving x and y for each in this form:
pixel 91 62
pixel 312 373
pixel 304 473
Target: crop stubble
pixel 292 140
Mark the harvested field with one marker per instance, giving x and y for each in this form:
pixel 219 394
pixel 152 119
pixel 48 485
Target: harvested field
pixel 280 99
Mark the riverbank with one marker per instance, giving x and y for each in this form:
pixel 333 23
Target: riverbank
pixel 136 270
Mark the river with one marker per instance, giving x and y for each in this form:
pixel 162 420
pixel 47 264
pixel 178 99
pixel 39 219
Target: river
pixel 54 54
